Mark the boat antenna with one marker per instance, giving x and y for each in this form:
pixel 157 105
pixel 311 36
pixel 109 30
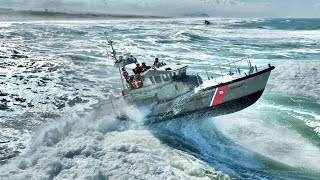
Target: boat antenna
pixel 110 42
pixel 114 53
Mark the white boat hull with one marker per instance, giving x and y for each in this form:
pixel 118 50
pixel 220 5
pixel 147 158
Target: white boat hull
pixel 216 100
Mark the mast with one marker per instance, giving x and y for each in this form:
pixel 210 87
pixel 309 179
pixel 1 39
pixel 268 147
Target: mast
pixel 115 58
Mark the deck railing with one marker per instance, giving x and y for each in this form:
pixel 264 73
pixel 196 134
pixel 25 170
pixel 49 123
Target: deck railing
pixel 234 68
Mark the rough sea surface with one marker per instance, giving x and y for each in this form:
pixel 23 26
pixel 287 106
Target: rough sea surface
pixel 53 73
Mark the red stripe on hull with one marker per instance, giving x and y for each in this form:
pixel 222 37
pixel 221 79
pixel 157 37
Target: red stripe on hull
pixel 218 98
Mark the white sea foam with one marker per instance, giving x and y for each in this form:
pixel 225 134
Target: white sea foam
pixel 311 119
pixel 296 78
pixel 5 24
pixel 100 147
pixel 271 140
pixel 263 34
pixel 288 109
pixel 13 141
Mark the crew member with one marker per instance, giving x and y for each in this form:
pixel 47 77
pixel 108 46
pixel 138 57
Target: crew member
pixel 138 69
pixel 125 74
pixel 156 62
pixel 144 67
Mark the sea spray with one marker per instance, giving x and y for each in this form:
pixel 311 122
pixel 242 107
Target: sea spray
pixel 297 78
pixel 102 147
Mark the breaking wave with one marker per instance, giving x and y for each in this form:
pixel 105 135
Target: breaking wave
pixel 102 147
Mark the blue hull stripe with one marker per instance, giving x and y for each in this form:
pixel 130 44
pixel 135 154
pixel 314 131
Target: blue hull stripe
pixel 212 96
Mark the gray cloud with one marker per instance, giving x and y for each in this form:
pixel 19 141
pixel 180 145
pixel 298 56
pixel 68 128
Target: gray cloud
pixel 228 8
pixel 317 6
pixel 154 7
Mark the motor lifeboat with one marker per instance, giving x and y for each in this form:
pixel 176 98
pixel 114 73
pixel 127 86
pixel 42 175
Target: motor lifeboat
pixel 172 92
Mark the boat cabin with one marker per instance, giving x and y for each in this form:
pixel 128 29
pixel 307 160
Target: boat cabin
pixel 163 74
pixel 157 84
pixel 154 77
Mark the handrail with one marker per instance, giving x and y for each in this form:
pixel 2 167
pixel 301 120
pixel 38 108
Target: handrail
pixel 233 61
pixel 225 70
pixel 232 68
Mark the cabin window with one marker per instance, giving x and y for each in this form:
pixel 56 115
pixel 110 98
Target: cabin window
pixel 157 79
pixel 183 71
pixel 152 80
pixel 175 75
pixel 177 88
pixel 166 77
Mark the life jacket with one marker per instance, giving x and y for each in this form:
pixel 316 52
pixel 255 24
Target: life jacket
pixel 143 68
pixel 155 63
pixel 125 74
pixel 137 70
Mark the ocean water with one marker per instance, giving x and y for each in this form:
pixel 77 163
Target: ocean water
pixel 53 73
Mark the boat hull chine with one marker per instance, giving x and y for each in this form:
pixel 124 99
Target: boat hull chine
pixel 234 105
pixel 216 100
pixel 218 110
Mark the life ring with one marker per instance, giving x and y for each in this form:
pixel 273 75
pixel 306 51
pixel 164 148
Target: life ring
pixel 136 83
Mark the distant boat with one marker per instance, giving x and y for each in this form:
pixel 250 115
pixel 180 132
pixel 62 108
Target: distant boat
pixel 206 22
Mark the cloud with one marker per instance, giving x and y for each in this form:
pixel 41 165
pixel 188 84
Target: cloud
pixel 317 6
pixel 227 8
pixel 222 2
pixel 154 7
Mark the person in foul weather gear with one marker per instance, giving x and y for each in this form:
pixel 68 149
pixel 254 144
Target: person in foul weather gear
pixel 138 69
pixel 125 74
pixel 156 63
pixel 144 67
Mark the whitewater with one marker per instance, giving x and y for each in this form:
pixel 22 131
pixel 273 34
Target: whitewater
pixel 53 74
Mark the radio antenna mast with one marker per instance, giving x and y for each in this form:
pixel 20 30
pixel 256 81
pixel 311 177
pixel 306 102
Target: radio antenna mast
pixel 110 42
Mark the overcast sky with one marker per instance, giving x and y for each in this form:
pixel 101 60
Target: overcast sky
pixel 222 8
